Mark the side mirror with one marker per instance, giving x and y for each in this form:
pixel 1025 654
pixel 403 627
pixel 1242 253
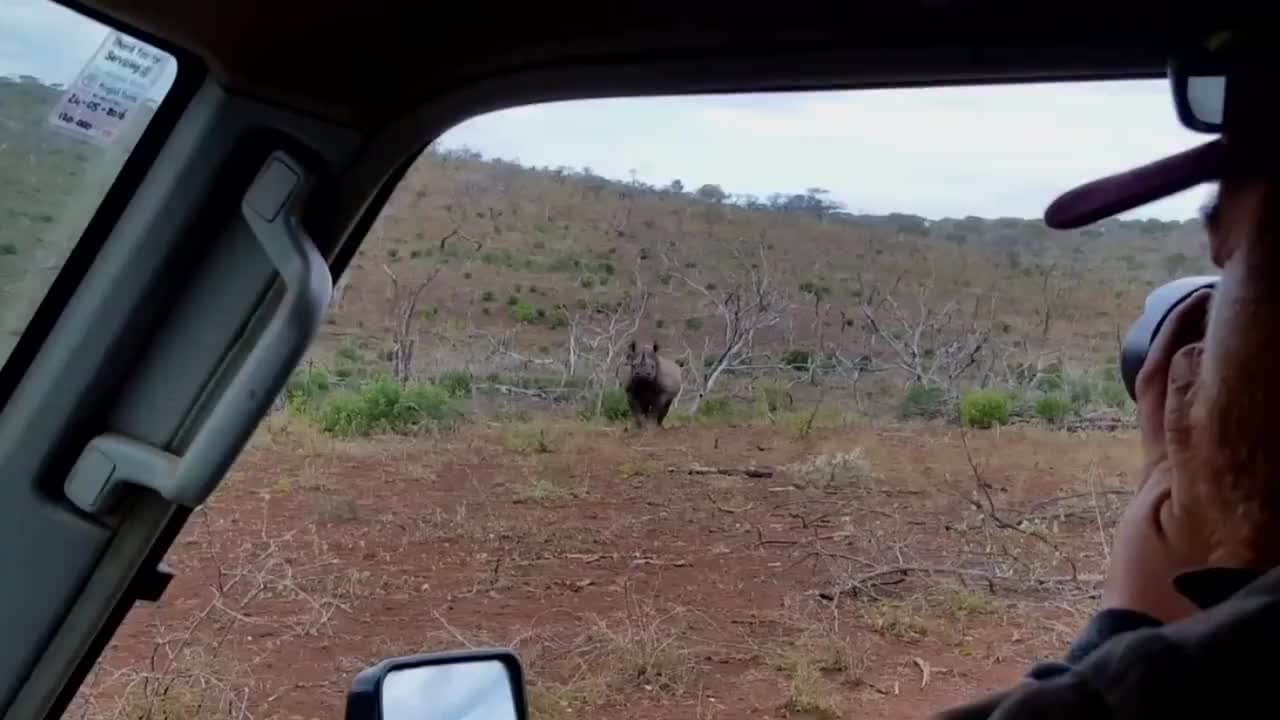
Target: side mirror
pixel 466 685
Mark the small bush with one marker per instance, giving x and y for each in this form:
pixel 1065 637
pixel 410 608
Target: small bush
pixel 348 352
pixel 306 387
pixel 693 324
pixel 1114 395
pixel 797 359
pixel 717 408
pixel 513 300
pixel 774 397
pixel 984 409
pixel 613 406
pixel 486 296
pixel 384 406
pixel 587 282
pixel 831 470
pixel 524 312
pixel 1051 380
pixel 1080 390
pixel 393 253
pixel 1054 408
pixel 925 402
pixel 8 249
pixel 457 383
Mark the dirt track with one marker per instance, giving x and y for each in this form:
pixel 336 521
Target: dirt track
pixel 625 580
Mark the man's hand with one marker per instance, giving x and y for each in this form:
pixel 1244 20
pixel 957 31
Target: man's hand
pixel 1153 541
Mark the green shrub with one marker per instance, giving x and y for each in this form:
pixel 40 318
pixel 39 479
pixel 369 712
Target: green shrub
pixel 307 386
pixel 1080 390
pixel 559 320
pixel 1114 395
pixel 456 383
pixel 1054 408
pixel 925 402
pixel 8 249
pixel 984 409
pixel 694 324
pixel 513 300
pixel 717 408
pixel 587 282
pixel 383 406
pixel 486 296
pixel 774 397
pixel 524 312
pixel 1051 380
pixel 797 359
pixel 348 352
pixel 393 253
pixel 613 406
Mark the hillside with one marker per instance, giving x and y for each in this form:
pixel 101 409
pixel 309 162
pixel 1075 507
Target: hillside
pixel 537 278
pixel 514 256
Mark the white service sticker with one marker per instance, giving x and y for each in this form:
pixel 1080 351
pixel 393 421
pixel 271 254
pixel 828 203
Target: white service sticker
pixel 117 79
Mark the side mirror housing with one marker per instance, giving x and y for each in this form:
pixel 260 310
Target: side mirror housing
pixel 464 685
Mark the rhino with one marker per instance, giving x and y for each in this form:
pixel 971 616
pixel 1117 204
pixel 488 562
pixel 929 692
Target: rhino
pixel 652 383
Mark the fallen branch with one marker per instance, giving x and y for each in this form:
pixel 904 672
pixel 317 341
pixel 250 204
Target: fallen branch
pixel 990 510
pixel 750 472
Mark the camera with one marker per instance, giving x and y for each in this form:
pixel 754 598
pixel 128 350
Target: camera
pixel 1160 302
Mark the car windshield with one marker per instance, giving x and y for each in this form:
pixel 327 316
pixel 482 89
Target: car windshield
pixel 778 405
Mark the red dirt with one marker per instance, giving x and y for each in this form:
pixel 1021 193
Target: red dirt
pixel 627 583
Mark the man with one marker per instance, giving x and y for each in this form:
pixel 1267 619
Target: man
pixel 1191 605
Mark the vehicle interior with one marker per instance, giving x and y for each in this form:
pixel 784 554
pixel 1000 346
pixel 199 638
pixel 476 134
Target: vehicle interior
pixel 205 272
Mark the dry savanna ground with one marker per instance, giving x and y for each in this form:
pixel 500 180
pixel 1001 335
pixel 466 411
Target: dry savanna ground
pixel 858 570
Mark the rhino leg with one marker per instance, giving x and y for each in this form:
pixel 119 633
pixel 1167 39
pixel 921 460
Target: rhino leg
pixel 637 409
pixel 663 407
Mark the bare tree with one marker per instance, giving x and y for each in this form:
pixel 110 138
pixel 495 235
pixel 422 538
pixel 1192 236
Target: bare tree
pixel 402 306
pixel 932 346
pixel 1056 291
pixel 598 335
pixel 745 299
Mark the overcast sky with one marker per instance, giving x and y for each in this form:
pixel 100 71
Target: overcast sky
pixel 989 151
pixel 46 40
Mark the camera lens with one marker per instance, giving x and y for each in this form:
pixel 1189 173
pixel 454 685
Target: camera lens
pixel 1159 304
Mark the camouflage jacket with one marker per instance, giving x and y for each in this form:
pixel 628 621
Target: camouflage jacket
pixel 1126 664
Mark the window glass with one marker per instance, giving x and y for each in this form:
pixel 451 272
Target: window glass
pixel 891 467
pixel 75 97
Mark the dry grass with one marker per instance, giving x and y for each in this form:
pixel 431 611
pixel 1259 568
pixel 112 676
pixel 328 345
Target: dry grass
pixel 834 470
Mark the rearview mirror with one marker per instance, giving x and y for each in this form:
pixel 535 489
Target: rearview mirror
pixel 468 685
